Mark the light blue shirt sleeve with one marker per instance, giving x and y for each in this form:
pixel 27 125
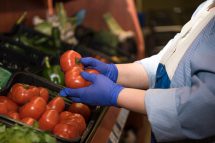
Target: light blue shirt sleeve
pixel 187 111
pixel 150 64
pixel 198 9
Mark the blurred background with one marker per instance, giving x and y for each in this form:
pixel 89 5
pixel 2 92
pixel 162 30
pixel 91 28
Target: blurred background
pixel 158 20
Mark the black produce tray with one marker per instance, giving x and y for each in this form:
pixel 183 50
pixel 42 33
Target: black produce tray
pixel 32 79
pixel 15 56
pixel 103 44
pixel 87 52
pixel 48 49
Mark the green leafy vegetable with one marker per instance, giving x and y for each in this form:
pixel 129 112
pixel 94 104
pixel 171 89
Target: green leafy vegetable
pixel 23 134
pixel 116 29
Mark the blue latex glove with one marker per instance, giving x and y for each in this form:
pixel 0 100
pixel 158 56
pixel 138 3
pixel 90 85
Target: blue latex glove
pixel 102 91
pixel 109 70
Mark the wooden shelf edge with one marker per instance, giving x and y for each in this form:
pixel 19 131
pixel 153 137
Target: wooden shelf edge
pixel 111 126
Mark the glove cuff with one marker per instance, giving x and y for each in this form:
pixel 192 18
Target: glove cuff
pixel 115 93
pixel 113 72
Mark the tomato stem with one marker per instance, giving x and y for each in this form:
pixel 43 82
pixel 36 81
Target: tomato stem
pixel 77 61
pixel 26 86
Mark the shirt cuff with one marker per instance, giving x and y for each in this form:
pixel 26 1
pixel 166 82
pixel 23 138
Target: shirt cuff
pixel 162 114
pixel 150 65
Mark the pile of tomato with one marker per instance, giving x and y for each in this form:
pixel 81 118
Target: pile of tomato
pixel 71 66
pixel 34 105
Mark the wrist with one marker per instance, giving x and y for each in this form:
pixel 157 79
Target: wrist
pixel 115 93
pixel 132 99
pixel 112 72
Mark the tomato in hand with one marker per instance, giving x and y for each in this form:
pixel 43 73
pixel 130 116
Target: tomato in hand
pixel 66 131
pixel 44 93
pixel 48 120
pixel 69 59
pixel 34 108
pixel 10 105
pixel 22 93
pixel 28 120
pixel 57 104
pixel 14 115
pixel 73 78
pixel 80 108
pixel 91 71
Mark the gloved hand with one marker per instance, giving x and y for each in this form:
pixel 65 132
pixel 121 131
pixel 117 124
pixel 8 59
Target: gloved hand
pixel 109 70
pixel 102 91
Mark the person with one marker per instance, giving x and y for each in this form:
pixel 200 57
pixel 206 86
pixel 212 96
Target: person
pixel 174 88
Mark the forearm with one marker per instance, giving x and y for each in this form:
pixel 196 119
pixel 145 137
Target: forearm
pixel 132 99
pixel 132 75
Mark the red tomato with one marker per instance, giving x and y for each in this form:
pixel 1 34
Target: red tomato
pixel 14 115
pixel 69 59
pixel 66 131
pixel 80 108
pixel 3 109
pixel 57 104
pixel 48 120
pixel 34 108
pixel 73 79
pixel 33 90
pixel 76 120
pixel 28 120
pixel 10 105
pixel 72 122
pixel 90 71
pixel 22 93
pixel 44 93
pixel 65 115
pixel 79 119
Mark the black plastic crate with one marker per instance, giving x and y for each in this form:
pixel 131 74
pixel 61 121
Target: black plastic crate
pixel 102 44
pixel 15 56
pixel 45 44
pixel 87 52
pixel 32 79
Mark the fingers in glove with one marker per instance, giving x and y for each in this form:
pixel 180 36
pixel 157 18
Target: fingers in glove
pixel 75 99
pixel 88 61
pixel 71 92
pixel 89 76
pixel 63 93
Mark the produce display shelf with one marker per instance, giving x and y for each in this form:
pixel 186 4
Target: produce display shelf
pixel 96 117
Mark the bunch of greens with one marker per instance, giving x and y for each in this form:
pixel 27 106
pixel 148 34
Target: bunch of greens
pixel 23 134
pixel 60 21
